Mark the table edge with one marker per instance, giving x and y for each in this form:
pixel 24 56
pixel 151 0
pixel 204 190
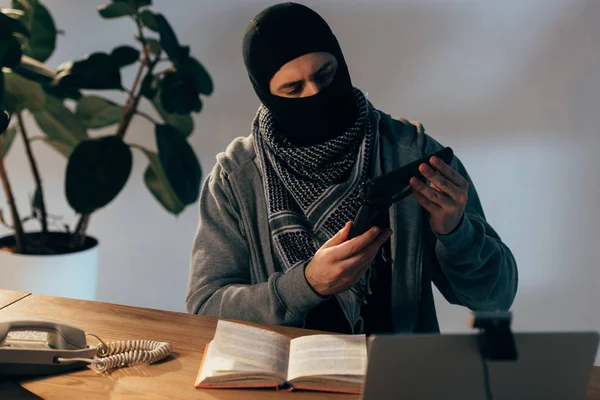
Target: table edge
pixel 25 295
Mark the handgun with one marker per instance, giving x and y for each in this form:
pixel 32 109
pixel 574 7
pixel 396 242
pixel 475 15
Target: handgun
pixel 378 194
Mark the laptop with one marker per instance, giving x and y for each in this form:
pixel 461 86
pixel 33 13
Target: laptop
pixel 450 366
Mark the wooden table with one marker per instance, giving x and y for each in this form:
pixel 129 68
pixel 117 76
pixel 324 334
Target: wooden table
pixel 172 379
pixel 7 297
pixel 594 390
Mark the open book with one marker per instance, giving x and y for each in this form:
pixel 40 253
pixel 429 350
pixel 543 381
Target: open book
pixel 242 356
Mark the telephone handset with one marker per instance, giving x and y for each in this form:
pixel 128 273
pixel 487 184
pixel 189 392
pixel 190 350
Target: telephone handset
pixel 42 347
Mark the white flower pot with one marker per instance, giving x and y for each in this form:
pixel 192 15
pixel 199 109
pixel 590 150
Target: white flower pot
pixel 72 275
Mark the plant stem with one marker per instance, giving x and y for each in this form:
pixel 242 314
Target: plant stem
pixel 149 118
pixel 138 23
pixel 80 230
pixel 134 98
pixel 129 111
pixel 164 71
pixel 35 171
pixel 18 227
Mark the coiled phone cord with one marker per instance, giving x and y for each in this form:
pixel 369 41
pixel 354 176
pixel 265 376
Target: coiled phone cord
pixel 124 353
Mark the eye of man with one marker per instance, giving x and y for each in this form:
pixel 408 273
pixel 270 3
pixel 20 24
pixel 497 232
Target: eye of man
pixel 295 89
pixel 322 77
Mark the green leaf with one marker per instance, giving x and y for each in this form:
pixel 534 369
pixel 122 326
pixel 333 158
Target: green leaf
pixel 10 23
pixel 39 22
pixel 31 68
pixel 97 171
pixel 64 149
pixel 184 53
pixel 36 201
pixel 149 20
pixel 4 121
pixel 155 47
pixel 168 40
pixel 116 10
pixel 11 12
pixel 20 93
pixel 157 183
pixel 125 55
pixel 10 52
pixel 135 3
pixel 7 138
pixel 63 93
pixel 203 80
pixel 60 125
pixel 178 94
pixel 149 86
pixel 96 71
pixel 95 112
pixel 179 163
pixel 183 122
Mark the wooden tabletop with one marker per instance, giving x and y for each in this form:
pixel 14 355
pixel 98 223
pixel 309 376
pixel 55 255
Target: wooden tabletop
pixel 172 379
pixel 594 390
pixel 7 297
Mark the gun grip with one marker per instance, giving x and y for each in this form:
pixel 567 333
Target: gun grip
pixel 367 217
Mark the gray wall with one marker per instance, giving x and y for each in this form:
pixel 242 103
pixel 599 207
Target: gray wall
pixel 513 86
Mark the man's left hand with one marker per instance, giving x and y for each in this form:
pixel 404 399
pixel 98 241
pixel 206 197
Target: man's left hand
pixel 445 197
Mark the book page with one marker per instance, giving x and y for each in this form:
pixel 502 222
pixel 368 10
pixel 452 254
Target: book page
pixel 243 348
pixel 319 355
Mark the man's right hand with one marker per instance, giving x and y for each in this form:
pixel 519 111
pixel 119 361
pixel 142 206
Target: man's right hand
pixel 340 263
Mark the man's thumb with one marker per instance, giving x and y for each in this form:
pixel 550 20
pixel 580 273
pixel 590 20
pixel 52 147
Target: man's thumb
pixel 339 237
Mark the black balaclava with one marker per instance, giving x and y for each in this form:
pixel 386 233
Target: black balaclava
pixel 280 34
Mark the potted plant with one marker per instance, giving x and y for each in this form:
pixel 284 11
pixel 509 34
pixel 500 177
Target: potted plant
pixel 55 258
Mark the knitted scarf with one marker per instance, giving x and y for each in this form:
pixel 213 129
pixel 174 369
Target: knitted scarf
pixel 313 191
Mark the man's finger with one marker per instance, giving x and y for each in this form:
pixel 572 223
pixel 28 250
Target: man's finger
pixel 340 237
pixel 449 172
pixel 425 202
pixel 374 246
pixel 431 194
pixel 354 245
pixel 368 252
pixel 442 184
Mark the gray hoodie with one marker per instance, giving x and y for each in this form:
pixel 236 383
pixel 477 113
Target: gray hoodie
pixel 235 274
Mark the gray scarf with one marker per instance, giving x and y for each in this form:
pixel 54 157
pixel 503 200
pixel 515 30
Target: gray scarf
pixel 313 191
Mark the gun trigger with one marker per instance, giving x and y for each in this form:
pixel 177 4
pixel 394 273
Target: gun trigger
pixel 384 256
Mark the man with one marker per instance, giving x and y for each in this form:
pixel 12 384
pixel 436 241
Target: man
pixel 275 212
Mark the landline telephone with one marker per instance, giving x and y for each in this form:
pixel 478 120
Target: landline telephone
pixel 43 347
